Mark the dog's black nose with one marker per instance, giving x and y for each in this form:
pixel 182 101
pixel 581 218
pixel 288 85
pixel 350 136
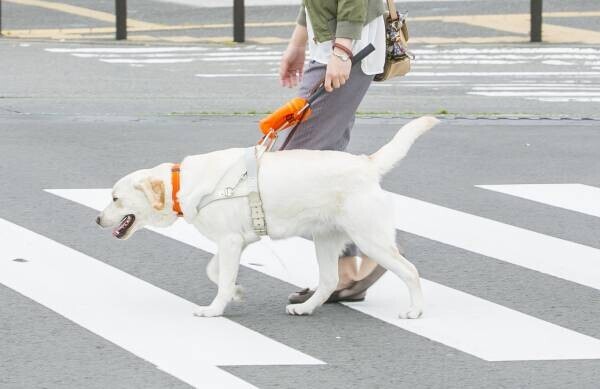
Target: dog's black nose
pixel 98 220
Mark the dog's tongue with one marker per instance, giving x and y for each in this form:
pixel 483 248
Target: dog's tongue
pixel 123 226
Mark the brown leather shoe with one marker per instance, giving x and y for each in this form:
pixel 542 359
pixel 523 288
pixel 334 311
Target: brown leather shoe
pixel 301 296
pixel 305 294
pixel 359 288
pixel 355 292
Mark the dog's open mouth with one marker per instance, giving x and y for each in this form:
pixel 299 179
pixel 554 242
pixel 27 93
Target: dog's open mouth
pixel 124 226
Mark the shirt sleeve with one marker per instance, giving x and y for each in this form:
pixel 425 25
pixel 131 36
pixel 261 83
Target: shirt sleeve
pixel 301 19
pixel 351 17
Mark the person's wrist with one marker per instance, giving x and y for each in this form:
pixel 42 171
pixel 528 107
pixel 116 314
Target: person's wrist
pixel 341 51
pixel 346 42
pixel 340 55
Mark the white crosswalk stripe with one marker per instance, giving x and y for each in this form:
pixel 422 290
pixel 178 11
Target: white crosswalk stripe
pixel 570 73
pixel 494 239
pixel 575 197
pixel 457 319
pixel 133 314
pixel 562 56
pixel 133 54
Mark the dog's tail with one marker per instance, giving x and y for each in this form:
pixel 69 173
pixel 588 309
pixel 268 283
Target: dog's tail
pixel 390 154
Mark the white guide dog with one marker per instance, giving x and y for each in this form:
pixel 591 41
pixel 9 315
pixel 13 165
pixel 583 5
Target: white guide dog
pixel 333 196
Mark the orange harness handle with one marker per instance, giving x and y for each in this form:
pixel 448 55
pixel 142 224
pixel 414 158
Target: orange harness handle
pixel 285 116
pixel 175 185
pixel 297 110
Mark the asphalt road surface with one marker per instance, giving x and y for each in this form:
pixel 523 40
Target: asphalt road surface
pixel 472 60
pixel 499 214
pixel 509 271
pixel 457 81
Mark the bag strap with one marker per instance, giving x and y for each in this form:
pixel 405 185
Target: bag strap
pixel 392 10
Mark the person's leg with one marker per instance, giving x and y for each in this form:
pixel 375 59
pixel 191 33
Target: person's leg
pixel 332 118
pixel 328 128
pixel 347 271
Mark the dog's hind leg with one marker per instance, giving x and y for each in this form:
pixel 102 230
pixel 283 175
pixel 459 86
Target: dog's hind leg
pixel 375 237
pixel 388 256
pixel 328 248
pixel 228 260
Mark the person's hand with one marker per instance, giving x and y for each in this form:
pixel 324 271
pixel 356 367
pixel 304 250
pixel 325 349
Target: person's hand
pixel 338 71
pixel 292 65
pixel 337 74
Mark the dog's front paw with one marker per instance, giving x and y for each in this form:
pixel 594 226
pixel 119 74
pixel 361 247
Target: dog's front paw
pixel 208 311
pixel 298 309
pixel 413 313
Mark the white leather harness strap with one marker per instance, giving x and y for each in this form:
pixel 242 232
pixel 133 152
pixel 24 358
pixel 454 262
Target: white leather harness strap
pixel 257 214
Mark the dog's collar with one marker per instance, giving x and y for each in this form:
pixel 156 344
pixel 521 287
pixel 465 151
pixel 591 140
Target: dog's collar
pixel 175 185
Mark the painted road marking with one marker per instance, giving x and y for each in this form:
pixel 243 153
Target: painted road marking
pixel 147 61
pixel 520 84
pixel 524 83
pixel 103 51
pixel 454 318
pixel 81 11
pixel 554 95
pixel 502 241
pixel 535 94
pixel 574 197
pixel 510 50
pixel 234 75
pixel 520 24
pixel 505 74
pixel 125 50
pixel 477 326
pixel 253 3
pixel 440 61
pixel 442 56
pixel 460 53
pixel 517 24
pixel 145 320
pixel 174 55
pixel 567 99
pixel 560 87
pixel 527 56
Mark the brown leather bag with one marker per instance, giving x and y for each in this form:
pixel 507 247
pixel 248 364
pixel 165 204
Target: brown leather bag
pixel 397 55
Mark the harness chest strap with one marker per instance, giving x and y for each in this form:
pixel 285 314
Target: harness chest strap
pixel 257 214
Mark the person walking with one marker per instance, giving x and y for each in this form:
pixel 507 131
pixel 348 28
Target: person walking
pixel 334 31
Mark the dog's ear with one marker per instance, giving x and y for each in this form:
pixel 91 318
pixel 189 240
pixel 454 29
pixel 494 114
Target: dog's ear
pixel 154 190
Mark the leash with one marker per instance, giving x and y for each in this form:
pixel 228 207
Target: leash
pixel 297 110
pixel 293 131
pixel 291 114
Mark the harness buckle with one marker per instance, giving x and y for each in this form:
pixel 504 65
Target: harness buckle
pixel 228 192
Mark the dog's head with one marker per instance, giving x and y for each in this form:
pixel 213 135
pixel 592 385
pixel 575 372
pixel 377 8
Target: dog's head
pixel 139 199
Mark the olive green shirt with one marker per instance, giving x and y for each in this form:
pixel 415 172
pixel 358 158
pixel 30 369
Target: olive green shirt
pixel 339 18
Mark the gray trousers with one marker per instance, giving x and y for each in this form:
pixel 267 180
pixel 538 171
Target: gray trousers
pixel 329 126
